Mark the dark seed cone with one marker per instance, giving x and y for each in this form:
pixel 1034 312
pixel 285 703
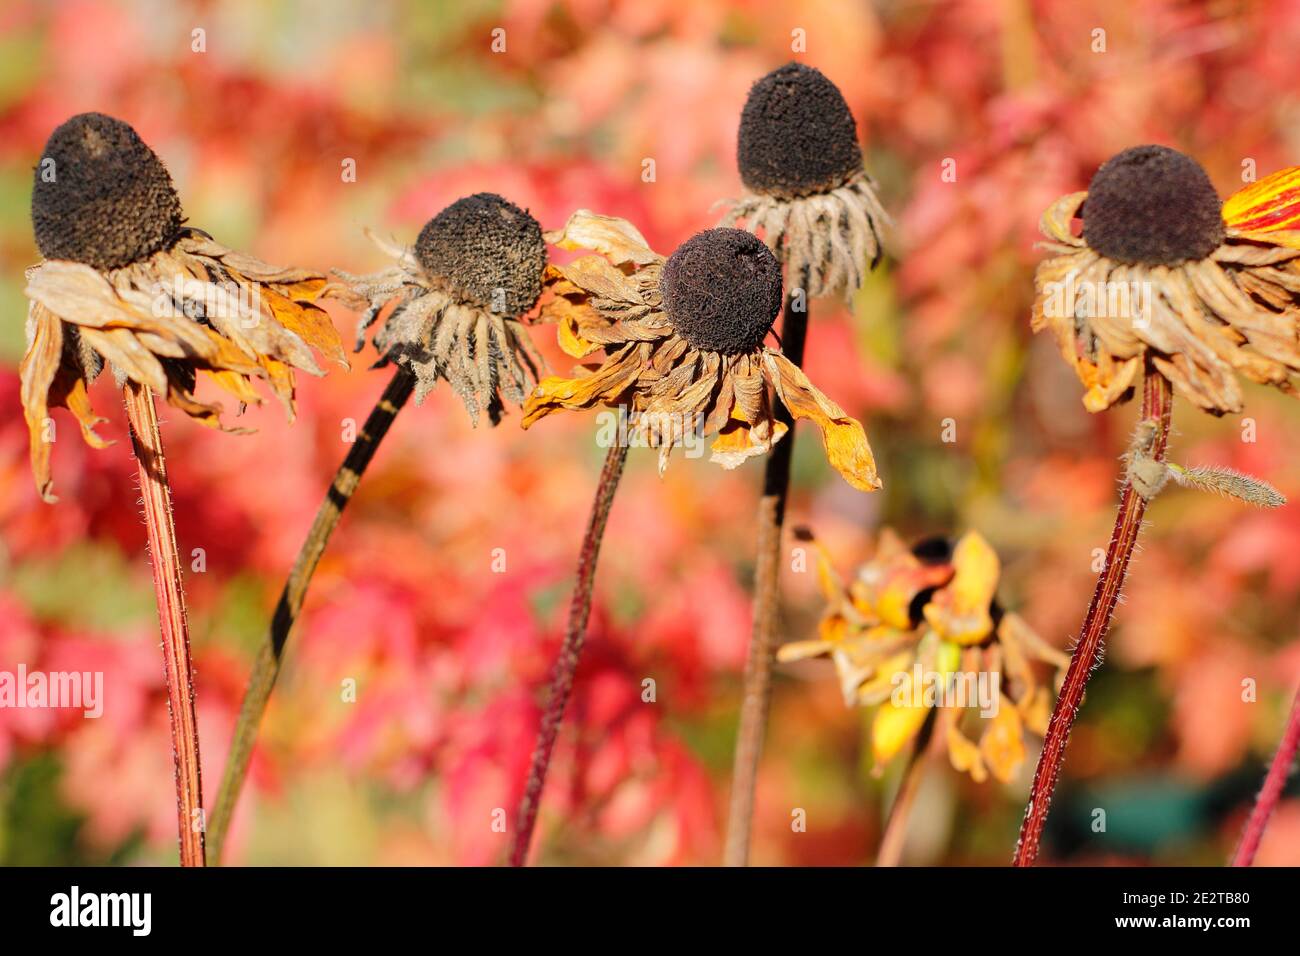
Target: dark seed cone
pixel 722 290
pixel 797 136
pixel 485 250
pixel 101 196
pixel 1152 205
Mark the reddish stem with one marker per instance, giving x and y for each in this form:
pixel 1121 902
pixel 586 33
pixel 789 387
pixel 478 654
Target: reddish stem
pixel 566 663
pixel 1271 793
pixel 156 494
pixel 1157 407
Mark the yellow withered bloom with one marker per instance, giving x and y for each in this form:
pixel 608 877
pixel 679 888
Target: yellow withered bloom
pixel 916 630
pixel 1161 271
pixel 125 282
pixel 684 345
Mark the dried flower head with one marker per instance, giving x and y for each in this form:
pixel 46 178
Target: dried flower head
pixel 807 193
pixel 125 282
pixel 1152 205
pixel 916 630
pixel 721 290
pixel 460 295
pixel 683 342
pixel 1159 272
pixel 797 136
pixel 102 197
pixel 485 250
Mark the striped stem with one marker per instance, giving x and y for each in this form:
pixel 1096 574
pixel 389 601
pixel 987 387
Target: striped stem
pixel 266 668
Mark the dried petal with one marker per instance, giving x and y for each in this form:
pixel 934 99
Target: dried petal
pixel 845 441
pixel 617 239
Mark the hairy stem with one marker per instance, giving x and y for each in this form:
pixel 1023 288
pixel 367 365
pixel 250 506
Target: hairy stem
pixel 1271 792
pixel 566 663
pixel 1157 406
pixel 894 836
pixel 266 667
pixel 146 440
pixel 757 692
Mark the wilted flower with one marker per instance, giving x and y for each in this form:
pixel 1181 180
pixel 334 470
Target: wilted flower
pixel 684 348
pixel 124 281
pixel 808 194
pixel 1162 272
pixel 476 269
pixel 459 294
pixel 920 628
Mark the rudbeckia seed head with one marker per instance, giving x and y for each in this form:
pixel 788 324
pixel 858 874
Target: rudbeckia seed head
pixel 101 196
pixel 722 290
pixel 797 136
pixel 487 251
pixel 1152 205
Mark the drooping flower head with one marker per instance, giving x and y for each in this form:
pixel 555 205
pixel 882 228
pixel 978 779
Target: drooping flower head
pixel 108 200
pixel 125 281
pixel 1159 273
pixel 916 630
pixel 684 345
pixel 799 158
pixel 460 294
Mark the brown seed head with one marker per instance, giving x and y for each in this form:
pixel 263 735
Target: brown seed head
pixel 101 196
pixel 488 251
pixel 1152 205
pixel 722 290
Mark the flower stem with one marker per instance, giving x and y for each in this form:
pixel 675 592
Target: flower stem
pixel 146 440
pixel 891 841
pixel 566 663
pixel 1271 793
pixel 757 693
pixel 266 668
pixel 1157 406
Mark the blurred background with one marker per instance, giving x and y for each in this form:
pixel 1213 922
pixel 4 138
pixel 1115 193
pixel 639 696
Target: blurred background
pixel 449 657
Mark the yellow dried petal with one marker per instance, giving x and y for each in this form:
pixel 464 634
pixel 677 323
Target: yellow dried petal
pixel 802 650
pixel 308 322
pixel 69 391
pixel 615 238
pixel 964 755
pixel 1002 743
pixel 895 726
pixel 893 602
pixel 843 437
pixel 594 275
pixel 37 371
pixel 237 385
pixel 280 376
pixel 879 659
pixel 960 611
pixel 1036 710
pixel 604 385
